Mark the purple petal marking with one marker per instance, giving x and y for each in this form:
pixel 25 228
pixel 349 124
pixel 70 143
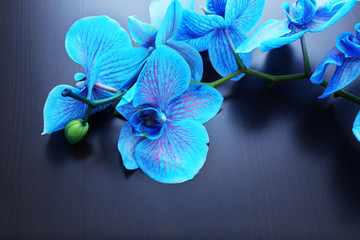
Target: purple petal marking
pixel 199 102
pixel 165 76
pixel 177 156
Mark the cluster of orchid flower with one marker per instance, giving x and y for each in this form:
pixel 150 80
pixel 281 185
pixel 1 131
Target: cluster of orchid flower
pixel 159 83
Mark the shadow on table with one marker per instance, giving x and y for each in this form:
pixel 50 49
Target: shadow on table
pixel 59 150
pixel 316 128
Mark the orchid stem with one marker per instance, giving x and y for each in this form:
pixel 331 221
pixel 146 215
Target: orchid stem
pixel 86 115
pixel 93 104
pixel 232 46
pixel 343 94
pixel 305 57
pixel 220 81
pixel 275 79
pixel 68 93
pixel 272 79
pixel 110 99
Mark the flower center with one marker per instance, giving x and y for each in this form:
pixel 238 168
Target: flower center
pixel 349 44
pixel 303 12
pixel 148 122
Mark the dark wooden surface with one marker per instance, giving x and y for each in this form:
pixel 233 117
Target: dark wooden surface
pixel 282 164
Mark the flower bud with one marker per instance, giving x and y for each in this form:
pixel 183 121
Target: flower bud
pixel 75 130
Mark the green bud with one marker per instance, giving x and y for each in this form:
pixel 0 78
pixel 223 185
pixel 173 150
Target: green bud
pixel 75 130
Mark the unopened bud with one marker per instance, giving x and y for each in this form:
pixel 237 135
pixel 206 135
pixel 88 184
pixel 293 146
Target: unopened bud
pixel 75 130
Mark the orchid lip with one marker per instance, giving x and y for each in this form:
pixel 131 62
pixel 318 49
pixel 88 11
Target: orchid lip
pixel 303 13
pixel 148 122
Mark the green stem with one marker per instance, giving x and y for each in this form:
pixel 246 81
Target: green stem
pixel 276 79
pixel 109 100
pixel 86 115
pixel 305 57
pixel 220 81
pixel 233 49
pixel 273 78
pixel 343 94
pixel 68 93
pixel 93 104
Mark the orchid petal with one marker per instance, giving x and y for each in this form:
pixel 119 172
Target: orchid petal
pixel 158 9
pixel 329 13
pixel 120 67
pixel 170 23
pixel 142 33
pixel 165 76
pixel 125 106
pixel 356 127
pixel 294 35
pixel 271 29
pixel 59 110
pixel 201 43
pixel 191 56
pixel 221 55
pixel 334 56
pixel 234 9
pixel 199 102
pixel 348 44
pixel 187 4
pixel 251 16
pixel 89 38
pixel 217 6
pixel 344 74
pixel 126 145
pixel 194 25
pixel 177 156
pixel 79 76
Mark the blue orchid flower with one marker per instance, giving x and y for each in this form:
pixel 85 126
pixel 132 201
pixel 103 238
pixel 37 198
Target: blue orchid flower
pixel 307 16
pixel 346 57
pixel 164 135
pixel 104 50
pixel 234 18
pixel 165 19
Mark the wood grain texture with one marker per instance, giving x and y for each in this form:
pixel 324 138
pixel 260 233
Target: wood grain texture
pixel 282 164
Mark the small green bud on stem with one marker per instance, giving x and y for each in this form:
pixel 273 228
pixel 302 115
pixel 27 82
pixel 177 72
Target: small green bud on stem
pixel 75 130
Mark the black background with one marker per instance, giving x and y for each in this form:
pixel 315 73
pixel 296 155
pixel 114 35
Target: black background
pixel 282 164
